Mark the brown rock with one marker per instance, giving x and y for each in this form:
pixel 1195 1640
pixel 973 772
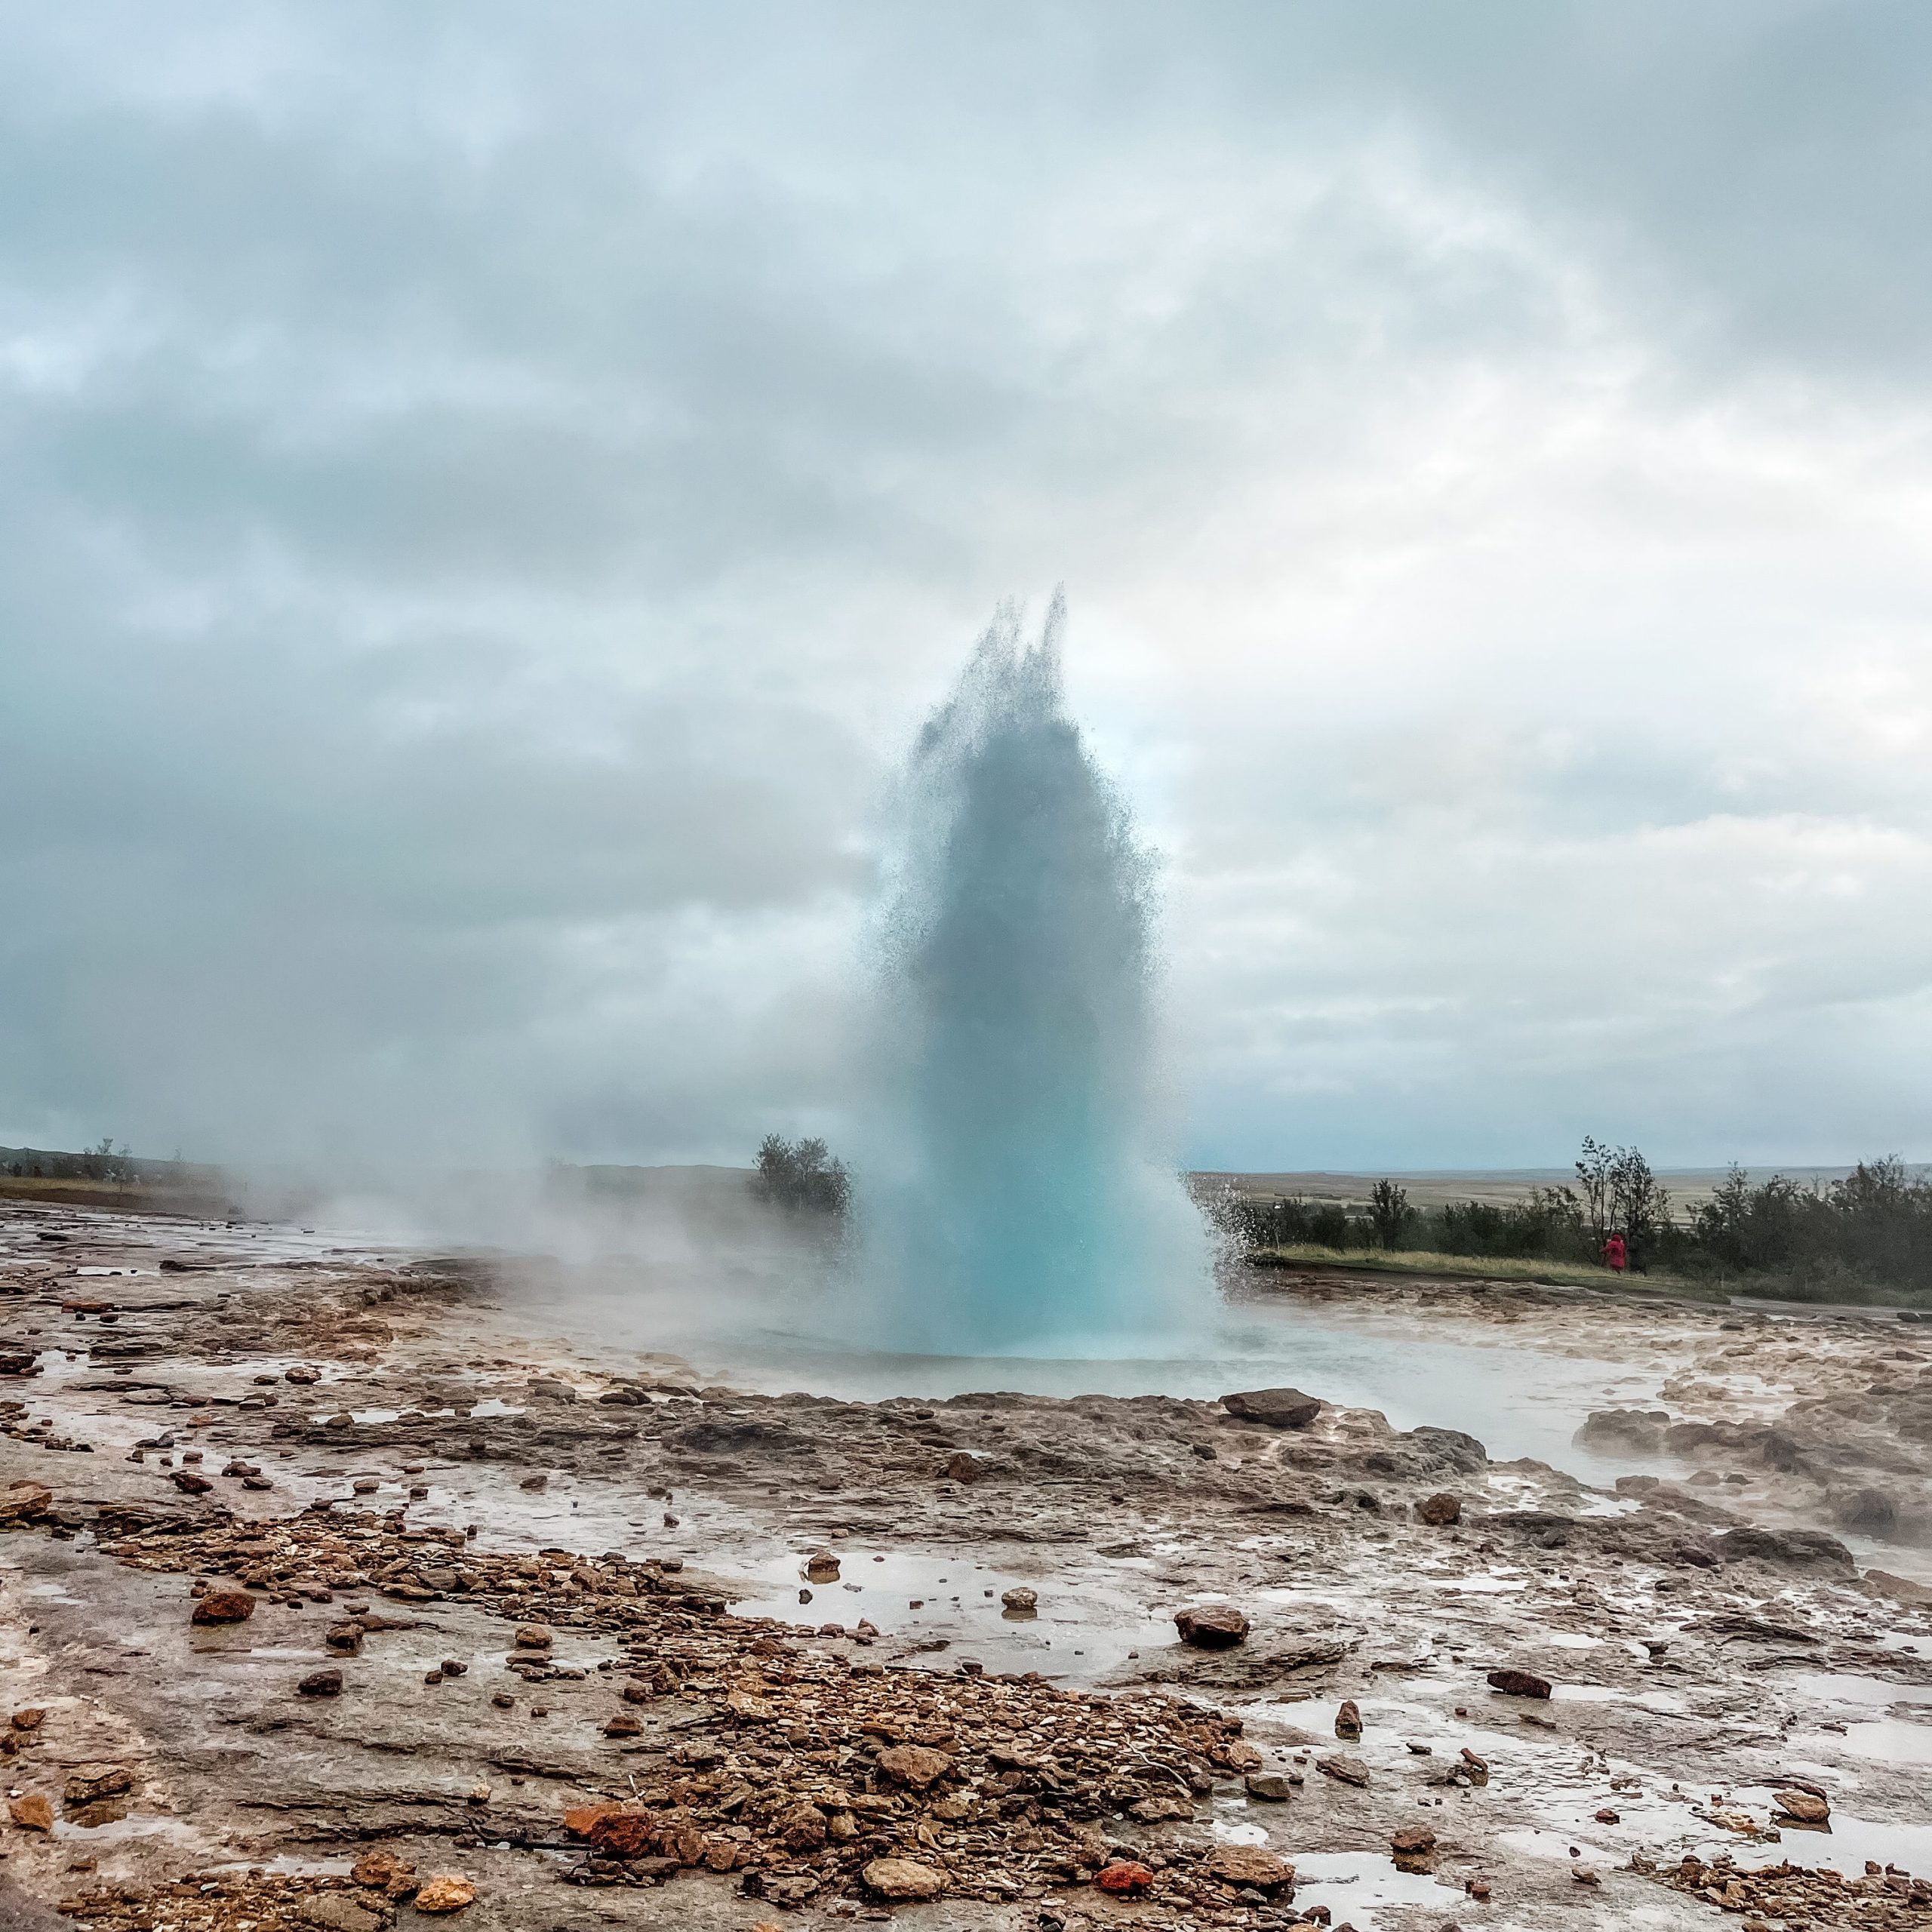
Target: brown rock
pixel 533 1637
pixel 1021 1600
pixel 25 1502
pixel 1344 1770
pixel 347 1638
pixel 224 1607
pixel 623 1725
pixel 87 1783
pixel 32 1812
pixel 189 1483
pixel 618 1834
pixel 1413 1848
pixel 1271 1787
pixel 1274 1408
pixel 1519 1683
pixel 1214 1626
pixel 382 1871
pixel 1123 1878
pixel 913 1764
pixel 321 1683
pixel 447 1892
pixel 822 1566
pixel 897 1878
pixel 804 1827
pixel 1441 1509
pixel 1348 1719
pixel 1476 1769
pixel 1251 1865
pixel 31 1719
pixel 1806 1807
pixel 962 1467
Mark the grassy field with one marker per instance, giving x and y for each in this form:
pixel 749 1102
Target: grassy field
pixel 1580 1274
pixel 1477 1267
pixel 121 1197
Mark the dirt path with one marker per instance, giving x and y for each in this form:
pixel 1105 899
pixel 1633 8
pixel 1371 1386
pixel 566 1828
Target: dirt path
pixel 479 1608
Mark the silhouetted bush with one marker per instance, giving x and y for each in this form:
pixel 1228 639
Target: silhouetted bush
pixel 1873 1227
pixel 802 1175
pixel 1388 1212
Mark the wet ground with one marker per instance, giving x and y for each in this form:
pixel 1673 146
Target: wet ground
pixel 784 1563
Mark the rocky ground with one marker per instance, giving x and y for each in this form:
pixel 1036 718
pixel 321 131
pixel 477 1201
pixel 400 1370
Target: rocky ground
pixel 333 1593
pixel 1817 1419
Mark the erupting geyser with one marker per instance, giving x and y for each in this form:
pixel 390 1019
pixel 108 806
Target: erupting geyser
pixel 1016 1196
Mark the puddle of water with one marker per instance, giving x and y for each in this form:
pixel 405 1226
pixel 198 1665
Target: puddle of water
pixel 1670 1824
pixel 383 1415
pixel 1887 1740
pixel 1359 1885
pixel 1844 1847
pixel 1905 1642
pixel 127 1830
pixel 1848 1688
pixel 1611 1505
pixel 1385 1725
pixel 1535 1842
pixel 1234 1831
pixel 1081 1629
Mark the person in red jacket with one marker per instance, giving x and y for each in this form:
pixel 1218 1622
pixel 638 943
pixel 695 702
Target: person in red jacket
pixel 1616 1256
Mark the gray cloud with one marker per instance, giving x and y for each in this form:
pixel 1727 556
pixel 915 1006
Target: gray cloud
pixel 483 500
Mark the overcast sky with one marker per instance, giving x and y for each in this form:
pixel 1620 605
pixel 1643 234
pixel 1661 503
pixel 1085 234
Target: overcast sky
pixel 487 492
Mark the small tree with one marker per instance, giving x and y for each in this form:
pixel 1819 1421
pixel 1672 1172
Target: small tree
pixel 803 1175
pixel 1387 1211
pixel 1593 1168
pixel 1639 1207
